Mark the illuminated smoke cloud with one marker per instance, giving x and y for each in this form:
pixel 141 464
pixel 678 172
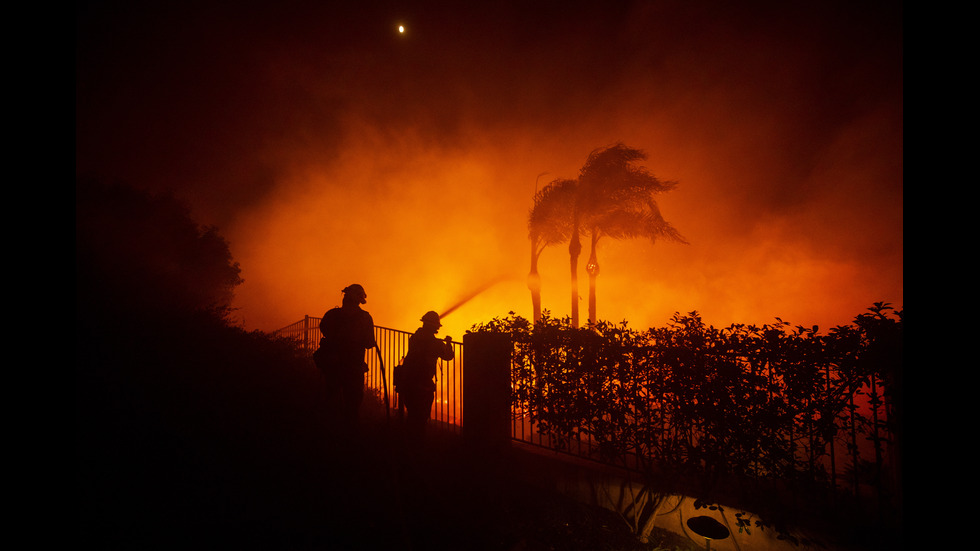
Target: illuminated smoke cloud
pixel 330 149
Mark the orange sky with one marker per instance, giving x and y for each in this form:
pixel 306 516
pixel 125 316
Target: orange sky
pixel 330 150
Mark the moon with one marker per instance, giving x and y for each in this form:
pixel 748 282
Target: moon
pixel 401 29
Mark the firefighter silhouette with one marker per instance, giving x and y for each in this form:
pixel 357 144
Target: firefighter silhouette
pixel 347 332
pixel 417 386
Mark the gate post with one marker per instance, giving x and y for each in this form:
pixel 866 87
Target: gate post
pixel 486 388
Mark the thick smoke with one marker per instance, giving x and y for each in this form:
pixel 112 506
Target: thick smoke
pixel 331 150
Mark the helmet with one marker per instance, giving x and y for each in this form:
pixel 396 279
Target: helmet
pixel 431 317
pixel 356 292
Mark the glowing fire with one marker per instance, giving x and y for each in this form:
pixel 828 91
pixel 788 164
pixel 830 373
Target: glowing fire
pixel 438 230
pixel 328 158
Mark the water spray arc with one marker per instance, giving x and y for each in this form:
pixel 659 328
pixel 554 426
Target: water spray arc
pixel 470 296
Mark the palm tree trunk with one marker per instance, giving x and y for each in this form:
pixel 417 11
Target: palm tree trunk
pixel 574 250
pixel 592 267
pixel 534 282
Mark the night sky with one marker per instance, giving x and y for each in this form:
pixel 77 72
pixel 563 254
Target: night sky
pixel 330 149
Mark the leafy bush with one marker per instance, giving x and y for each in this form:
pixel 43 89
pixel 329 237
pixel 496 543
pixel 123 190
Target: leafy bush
pixel 774 404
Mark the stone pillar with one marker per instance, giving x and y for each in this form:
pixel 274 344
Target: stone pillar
pixel 486 388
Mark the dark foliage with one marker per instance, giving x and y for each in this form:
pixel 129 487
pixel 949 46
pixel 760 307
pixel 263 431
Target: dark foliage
pixel 775 411
pixel 176 411
pixel 141 251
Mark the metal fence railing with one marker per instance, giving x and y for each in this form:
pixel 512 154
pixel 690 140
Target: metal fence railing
pixel 852 444
pixel 447 407
pixel 305 331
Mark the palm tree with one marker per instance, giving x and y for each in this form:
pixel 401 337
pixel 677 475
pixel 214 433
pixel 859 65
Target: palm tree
pixel 549 223
pixel 615 199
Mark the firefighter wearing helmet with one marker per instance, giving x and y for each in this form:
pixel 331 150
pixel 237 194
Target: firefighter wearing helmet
pixel 347 332
pixel 417 390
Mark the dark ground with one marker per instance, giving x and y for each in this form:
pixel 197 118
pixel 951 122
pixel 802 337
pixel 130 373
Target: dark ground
pixel 179 448
pixel 211 441
pixel 205 437
pixel 196 489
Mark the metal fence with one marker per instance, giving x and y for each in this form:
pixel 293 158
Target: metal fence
pixel 853 442
pixel 848 446
pixel 447 407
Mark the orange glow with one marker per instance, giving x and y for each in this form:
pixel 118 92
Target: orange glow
pixel 423 228
pixel 328 156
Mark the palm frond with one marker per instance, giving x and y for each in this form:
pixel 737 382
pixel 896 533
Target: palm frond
pixel 550 219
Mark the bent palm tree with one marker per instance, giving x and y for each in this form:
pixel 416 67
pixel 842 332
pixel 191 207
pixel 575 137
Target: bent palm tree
pixel 549 223
pixel 615 199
